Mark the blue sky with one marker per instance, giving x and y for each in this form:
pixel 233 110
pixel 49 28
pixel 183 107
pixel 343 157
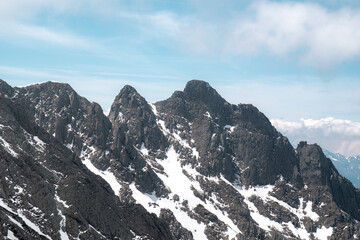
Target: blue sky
pixel 292 59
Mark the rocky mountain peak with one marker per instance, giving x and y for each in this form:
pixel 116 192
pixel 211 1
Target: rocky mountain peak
pixel 51 86
pixel 228 132
pixel 127 100
pixel 204 168
pixel 132 113
pixel 128 89
pixel 315 167
pixel 59 96
pixel 201 92
pixel 198 89
pixel 6 89
pixel 64 114
pixel 128 96
pixel 319 172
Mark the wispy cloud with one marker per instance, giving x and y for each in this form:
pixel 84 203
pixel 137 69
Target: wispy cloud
pixel 23 22
pixel 31 33
pixel 337 135
pixel 294 97
pixel 101 87
pixel 307 32
pixel 317 35
pixel 136 75
pixel 20 10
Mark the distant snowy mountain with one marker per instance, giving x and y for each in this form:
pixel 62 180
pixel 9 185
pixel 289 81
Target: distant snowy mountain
pixel 349 167
pixel 190 167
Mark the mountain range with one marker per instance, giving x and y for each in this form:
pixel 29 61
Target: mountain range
pixel 192 166
pixel 347 166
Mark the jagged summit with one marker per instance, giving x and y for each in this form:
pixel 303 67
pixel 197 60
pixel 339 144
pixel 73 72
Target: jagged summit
pixel 207 114
pixel 201 91
pixel 128 89
pixel 127 97
pixel 203 168
pixel 317 170
pixel 6 89
pixel 197 98
pixel 198 89
pixel 132 113
pixel 127 93
pixel 48 85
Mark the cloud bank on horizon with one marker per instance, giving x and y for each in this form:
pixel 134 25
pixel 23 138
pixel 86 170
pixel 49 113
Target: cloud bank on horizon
pixel 336 135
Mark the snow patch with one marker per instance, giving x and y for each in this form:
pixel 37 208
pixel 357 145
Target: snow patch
pixel 229 127
pixel 108 176
pixel 11 235
pixel 263 192
pixel 98 232
pixel 7 147
pixel 323 233
pixel 153 204
pixel 39 142
pixel 153 108
pixel 175 174
pixel 161 123
pixel 195 153
pixel 32 225
pixel 308 210
pixel 207 114
pixel 63 234
pixel 19 189
pixel 176 136
pixel 3 126
pixel 70 145
pixel 135 237
pixel 120 117
pixel 5 206
pixel 144 150
pixel 16 222
pixel 35 141
pixel 59 200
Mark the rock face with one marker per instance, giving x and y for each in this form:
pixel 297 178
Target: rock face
pixel 318 171
pixel 227 136
pixel 347 166
pixel 189 167
pixel 46 191
pixel 131 113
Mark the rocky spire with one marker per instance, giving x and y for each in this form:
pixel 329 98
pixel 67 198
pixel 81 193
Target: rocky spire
pixel 131 112
pixel 318 171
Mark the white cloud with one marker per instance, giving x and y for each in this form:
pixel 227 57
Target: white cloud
pixel 14 31
pixel 309 32
pixel 19 21
pixel 190 34
pixel 100 87
pixel 18 10
pixel 295 97
pixel 318 36
pixel 337 135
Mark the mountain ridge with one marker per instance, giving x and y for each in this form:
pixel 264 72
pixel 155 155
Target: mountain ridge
pixel 347 166
pixel 190 167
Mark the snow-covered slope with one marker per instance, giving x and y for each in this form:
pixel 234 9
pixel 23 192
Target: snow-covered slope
pixel 190 167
